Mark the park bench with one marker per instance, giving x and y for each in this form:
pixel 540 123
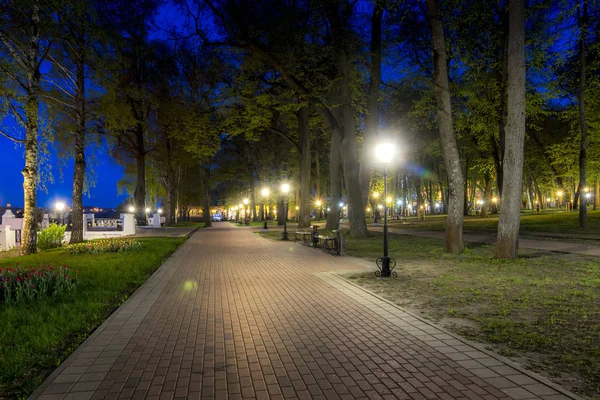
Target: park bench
pixel 331 242
pixel 304 236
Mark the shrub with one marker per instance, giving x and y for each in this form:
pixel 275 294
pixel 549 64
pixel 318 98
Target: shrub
pixel 104 246
pixel 51 237
pixel 19 285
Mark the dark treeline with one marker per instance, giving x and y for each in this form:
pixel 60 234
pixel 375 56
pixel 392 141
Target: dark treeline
pixel 492 104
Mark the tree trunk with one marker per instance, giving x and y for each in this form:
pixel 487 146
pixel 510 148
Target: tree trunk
pixel 370 132
pixel 335 182
pixel 597 194
pixel 304 170
pixel 140 183
pixel 583 218
pixel 317 177
pixel 205 186
pixel 508 226
pixel 30 173
pixel 282 206
pixel 487 195
pixel 356 210
pixel 79 171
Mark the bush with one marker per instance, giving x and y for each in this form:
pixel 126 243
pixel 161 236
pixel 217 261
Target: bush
pixel 51 237
pixel 104 246
pixel 19 285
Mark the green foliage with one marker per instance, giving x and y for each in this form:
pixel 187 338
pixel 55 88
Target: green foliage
pixel 104 246
pixel 20 285
pixel 51 237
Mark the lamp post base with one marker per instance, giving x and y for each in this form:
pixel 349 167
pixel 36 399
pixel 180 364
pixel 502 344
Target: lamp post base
pixel 265 227
pixel 385 267
pixel 285 236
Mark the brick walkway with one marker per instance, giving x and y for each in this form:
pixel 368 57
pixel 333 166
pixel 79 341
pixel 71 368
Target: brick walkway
pixel 232 315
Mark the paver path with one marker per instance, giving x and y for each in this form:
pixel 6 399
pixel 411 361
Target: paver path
pixel 233 315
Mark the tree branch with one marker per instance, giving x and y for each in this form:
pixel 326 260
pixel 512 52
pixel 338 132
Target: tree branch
pixel 6 135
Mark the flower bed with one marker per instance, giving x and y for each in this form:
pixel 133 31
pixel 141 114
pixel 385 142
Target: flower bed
pixel 104 246
pixel 19 285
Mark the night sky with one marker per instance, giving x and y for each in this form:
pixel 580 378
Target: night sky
pixel 107 172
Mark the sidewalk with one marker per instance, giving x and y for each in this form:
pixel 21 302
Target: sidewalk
pixel 232 315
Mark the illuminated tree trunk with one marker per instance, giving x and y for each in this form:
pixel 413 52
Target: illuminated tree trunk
pixel 79 170
pixel 456 183
pixel 370 132
pixel 487 196
pixel 204 182
pixel 335 182
pixel 583 218
pixel 30 174
pixel 304 144
pixel 140 182
pixel 507 245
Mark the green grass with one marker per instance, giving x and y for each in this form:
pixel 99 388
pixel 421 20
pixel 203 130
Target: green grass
pixel 187 224
pixel 35 338
pixel 260 223
pixel 543 305
pixel 559 222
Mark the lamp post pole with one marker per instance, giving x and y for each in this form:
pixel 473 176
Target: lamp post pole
pixel 385 260
pixel 386 264
pixel 285 188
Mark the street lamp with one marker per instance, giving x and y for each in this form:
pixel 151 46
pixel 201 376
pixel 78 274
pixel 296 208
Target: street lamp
pixel 265 193
pixel 60 207
pixel 318 204
pixel 385 153
pixel 159 210
pixel 285 189
pixel 131 209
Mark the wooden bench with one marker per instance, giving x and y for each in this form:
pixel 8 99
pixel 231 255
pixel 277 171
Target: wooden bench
pixel 331 243
pixel 304 236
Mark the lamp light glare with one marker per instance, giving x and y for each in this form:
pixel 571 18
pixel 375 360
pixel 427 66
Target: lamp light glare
pixel 285 188
pixel 265 192
pixel 147 209
pixel 160 210
pixel 131 209
pixel 60 206
pixel 375 194
pixel 318 203
pixel 385 152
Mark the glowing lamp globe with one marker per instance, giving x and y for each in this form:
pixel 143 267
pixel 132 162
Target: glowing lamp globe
pixel 285 188
pixel 60 206
pixel 147 209
pixel 245 202
pixel 131 209
pixel 265 192
pixel 385 152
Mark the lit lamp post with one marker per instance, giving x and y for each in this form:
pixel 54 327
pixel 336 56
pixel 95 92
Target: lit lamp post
pixel 559 194
pixel 60 207
pixel 285 189
pixel 375 198
pixel 131 209
pixel 384 153
pixel 246 209
pixel 318 204
pixel 265 194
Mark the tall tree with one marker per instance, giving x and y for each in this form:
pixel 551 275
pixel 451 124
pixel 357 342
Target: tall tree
pixel 507 245
pixel 24 29
pixel 583 21
pixel 454 224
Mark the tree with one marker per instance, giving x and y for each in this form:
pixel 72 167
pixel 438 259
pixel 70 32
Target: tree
pixel 583 218
pixel 507 244
pixel 456 183
pixel 24 27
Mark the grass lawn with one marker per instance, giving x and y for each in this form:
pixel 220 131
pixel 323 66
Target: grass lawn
pixel 260 223
pixel 35 338
pixel 542 309
pixel 187 224
pixel 549 221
